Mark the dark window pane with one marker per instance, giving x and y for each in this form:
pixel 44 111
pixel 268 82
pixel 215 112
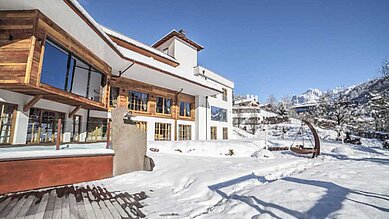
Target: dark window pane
pixel 182 108
pixel 159 105
pixel 188 107
pixel 168 103
pixel 54 66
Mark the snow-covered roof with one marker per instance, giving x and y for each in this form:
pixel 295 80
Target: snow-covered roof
pixel 182 36
pixel 136 43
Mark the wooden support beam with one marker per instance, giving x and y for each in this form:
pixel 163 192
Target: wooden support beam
pixel 72 113
pixel 32 102
pixel 108 134
pixel 59 133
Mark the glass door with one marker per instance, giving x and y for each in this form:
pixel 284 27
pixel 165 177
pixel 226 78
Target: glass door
pixel 6 118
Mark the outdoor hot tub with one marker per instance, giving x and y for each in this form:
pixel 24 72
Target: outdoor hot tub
pixel 34 167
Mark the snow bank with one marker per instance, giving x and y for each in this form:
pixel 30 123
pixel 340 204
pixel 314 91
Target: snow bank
pixel 263 154
pixel 343 150
pixel 219 148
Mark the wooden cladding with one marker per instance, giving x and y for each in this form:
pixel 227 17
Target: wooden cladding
pixel 16 31
pixel 126 85
pixel 23 37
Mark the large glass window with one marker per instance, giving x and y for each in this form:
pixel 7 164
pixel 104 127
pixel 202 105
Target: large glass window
pixel 164 105
pixel 137 101
pixel 43 125
pixel 55 66
pixel 185 132
pixel 218 114
pixel 7 111
pixel 162 132
pixel 63 70
pixel 185 108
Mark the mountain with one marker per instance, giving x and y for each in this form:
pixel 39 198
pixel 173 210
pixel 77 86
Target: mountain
pixel 308 97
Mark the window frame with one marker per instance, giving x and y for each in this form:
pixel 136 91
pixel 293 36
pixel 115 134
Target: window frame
pixel 142 103
pixel 225 133
pixel 167 130
pixel 184 132
pixel 213 132
pixel 141 125
pixel 186 104
pixel 164 102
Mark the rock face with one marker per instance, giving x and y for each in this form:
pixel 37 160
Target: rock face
pixel 310 96
pixel 129 144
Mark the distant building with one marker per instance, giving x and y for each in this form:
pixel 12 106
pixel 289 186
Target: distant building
pixel 246 113
pixel 304 108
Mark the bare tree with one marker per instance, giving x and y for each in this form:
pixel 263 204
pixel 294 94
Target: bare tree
pixel 287 100
pixel 384 69
pixel 282 109
pixel 271 99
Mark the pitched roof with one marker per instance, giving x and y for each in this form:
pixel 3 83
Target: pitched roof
pixel 182 36
pixel 139 47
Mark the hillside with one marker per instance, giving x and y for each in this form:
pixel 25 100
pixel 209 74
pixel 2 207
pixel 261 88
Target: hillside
pixel 360 93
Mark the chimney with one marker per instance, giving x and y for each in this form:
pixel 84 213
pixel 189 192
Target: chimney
pixel 182 31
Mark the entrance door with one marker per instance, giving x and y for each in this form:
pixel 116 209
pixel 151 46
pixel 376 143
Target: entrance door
pixel 76 128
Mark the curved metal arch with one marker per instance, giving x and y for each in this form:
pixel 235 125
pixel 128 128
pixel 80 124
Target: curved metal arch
pixel 316 138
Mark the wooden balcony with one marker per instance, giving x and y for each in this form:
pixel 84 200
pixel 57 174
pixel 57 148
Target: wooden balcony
pixel 22 45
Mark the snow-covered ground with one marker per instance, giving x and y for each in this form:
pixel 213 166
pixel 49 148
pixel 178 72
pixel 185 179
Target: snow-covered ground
pixel 201 179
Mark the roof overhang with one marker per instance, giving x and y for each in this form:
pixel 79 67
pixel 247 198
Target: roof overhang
pixel 181 36
pixel 189 85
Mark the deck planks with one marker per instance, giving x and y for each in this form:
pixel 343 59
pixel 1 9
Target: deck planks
pixel 90 201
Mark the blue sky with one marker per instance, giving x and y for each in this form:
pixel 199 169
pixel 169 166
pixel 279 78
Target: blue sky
pixel 266 47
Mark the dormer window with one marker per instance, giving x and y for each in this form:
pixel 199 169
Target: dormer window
pixel 166 51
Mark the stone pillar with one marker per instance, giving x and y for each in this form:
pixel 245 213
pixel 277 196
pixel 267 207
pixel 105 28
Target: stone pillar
pixel 129 144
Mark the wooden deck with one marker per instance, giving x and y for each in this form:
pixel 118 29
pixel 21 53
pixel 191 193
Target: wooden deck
pixel 90 201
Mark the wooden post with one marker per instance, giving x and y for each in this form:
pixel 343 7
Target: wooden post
pixel 108 133
pixel 58 134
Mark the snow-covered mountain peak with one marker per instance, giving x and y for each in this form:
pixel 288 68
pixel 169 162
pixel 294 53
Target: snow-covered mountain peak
pixel 310 96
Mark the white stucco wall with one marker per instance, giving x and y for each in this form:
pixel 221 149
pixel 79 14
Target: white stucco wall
pixel 219 102
pixel 151 126
pixel 186 55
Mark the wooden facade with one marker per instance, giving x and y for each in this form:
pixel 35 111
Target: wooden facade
pixel 22 42
pixel 125 85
